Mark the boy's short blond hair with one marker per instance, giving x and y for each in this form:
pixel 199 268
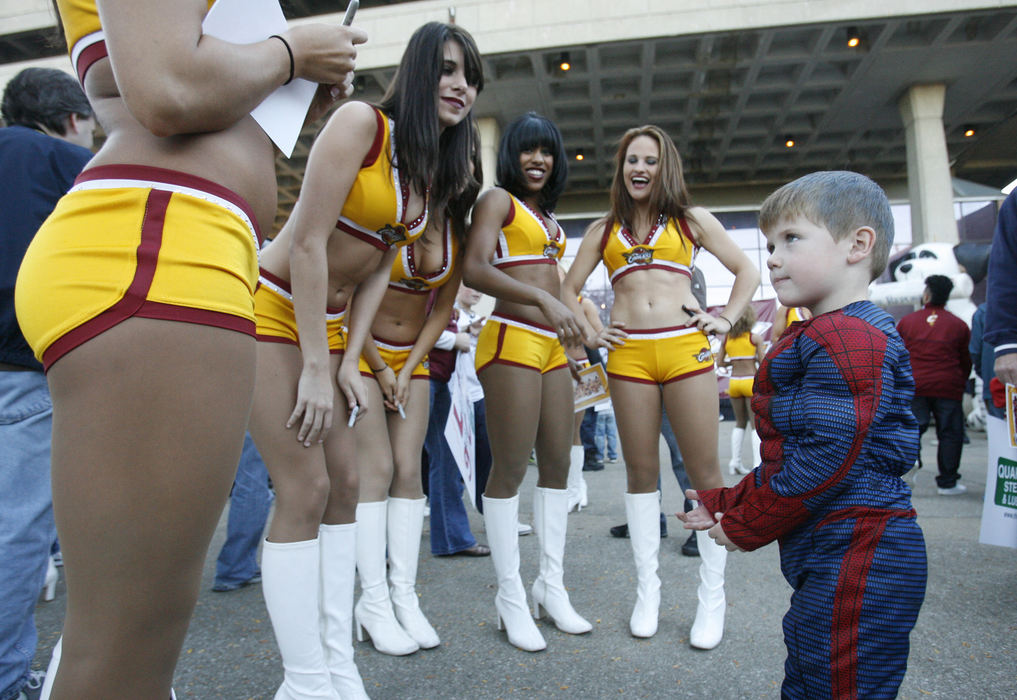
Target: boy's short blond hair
pixel 840 200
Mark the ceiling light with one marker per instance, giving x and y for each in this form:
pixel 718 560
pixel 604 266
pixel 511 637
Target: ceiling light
pixel 579 154
pixel 563 61
pixel 789 141
pixel 969 131
pixel 853 38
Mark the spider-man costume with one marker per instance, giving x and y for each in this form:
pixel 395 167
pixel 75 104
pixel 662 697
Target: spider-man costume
pixel 832 402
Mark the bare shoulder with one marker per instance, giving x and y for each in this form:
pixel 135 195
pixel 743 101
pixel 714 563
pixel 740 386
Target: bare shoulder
pixel 492 201
pixel 597 227
pixel 702 221
pixel 358 116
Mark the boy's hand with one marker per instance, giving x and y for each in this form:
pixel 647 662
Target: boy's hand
pixel 699 518
pixel 718 535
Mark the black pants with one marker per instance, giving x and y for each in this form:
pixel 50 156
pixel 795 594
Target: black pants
pixel 949 431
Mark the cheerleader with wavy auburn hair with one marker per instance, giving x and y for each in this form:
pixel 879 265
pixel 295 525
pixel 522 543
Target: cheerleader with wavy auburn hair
pixel 660 353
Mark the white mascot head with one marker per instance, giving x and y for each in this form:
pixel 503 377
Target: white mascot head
pixel 963 264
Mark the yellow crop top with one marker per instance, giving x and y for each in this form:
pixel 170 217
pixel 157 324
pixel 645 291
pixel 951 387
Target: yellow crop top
pixel 525 239
pixel 740 347
pixel 666 248
pixel 794 314
pixel 405 276
pixel 83 33
pixel 376 204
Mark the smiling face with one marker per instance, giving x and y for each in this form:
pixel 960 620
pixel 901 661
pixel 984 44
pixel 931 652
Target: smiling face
pixel 639 171
pixel 536 164
pixel 807 266
pixel 455 94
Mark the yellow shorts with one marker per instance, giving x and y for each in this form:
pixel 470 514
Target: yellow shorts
pixel 661 355
pixel 132 240
pixel 395 356
pixel 277 323
pixel 514 341
pixel 740 387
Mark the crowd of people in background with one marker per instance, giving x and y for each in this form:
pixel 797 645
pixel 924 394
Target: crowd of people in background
pixel 162 329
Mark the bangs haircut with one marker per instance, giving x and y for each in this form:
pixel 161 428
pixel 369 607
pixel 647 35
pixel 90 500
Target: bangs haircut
pixel 526 133
pixel 840 200
pixel 669 194
pixel 427 156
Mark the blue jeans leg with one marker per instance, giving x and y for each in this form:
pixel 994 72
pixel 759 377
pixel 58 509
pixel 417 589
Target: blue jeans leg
pixel 27 531
pixel 483 447
pixel 250 501
pixel 588 437
pixel 450 527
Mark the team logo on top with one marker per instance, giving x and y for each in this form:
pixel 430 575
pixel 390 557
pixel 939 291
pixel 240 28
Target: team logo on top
pixel 413 283
pixel 393 234
pixel 551 250
pixel 931 320
pixel 639 256
pixel 704 355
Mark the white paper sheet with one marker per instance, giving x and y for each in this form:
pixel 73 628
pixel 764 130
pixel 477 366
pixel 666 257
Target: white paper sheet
pixel 281 114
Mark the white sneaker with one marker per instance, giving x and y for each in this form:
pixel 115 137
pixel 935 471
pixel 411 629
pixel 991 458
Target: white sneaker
pixel 524 529
pixel 955 490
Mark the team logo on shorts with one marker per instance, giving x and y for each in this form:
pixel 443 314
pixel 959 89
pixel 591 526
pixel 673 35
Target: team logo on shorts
pixel 639 256
pixel 392 235
pixel 551 250
pixel 704 355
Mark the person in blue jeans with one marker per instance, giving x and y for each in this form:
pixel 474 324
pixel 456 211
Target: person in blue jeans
pixel 450 526
pixel 42 149
pixel 690 548
pixel 250 502
pixel 983 355
pixel 607 435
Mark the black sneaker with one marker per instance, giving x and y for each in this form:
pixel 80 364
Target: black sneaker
pixel 623 529
pixel 593 466
pixel 690 547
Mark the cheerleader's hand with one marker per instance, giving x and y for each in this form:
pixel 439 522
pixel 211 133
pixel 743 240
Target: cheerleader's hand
pixel 312 412
pixel 711 325
pixel 610 336
pixel 402 388
pixel 574 367
pixel 351 384
pixel 387 382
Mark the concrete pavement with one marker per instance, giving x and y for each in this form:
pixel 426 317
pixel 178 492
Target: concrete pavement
pixel 964 645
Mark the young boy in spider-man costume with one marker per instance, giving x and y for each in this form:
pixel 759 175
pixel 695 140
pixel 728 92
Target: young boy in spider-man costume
pixel 833 407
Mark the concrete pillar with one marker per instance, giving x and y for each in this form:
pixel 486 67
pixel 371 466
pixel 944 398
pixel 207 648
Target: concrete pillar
pixel 929 183
pixel 490 134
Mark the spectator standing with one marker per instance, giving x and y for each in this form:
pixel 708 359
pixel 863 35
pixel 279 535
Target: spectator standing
pixel 1001 300
pixel 250 501
pixel 938 343
pixel 983 356
pixel 450 526
pixel 42 149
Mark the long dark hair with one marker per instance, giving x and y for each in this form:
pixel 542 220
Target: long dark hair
pixel 428 156
pixel 669 195
pixel 527 132
pixel 458 208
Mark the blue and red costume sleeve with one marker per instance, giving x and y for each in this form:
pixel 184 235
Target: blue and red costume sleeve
pixel 817 395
